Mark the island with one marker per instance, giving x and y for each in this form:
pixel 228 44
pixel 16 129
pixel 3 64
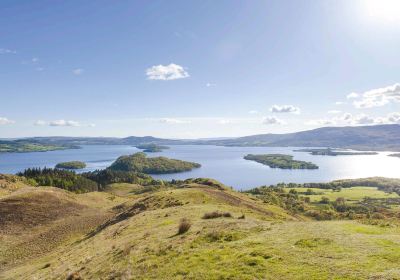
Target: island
pixel 71 165
pixel 281 161
pixel 395 155
pixel 139 162
pixel 151 148
pixel 27 147
pixel 333 152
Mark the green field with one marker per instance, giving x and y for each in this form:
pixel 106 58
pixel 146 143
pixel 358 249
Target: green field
pixel 354 194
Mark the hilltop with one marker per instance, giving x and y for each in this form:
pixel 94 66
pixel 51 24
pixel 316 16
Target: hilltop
pixel 267 233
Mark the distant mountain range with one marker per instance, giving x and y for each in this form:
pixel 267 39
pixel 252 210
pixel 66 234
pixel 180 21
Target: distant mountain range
pixel 377 137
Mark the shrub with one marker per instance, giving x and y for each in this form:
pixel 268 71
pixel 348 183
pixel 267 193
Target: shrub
pixel 324 200
pixel 216 214
pixel 184 226
pixel 242 217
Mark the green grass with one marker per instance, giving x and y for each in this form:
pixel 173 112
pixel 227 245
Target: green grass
pixel 354 194
pixel 269 243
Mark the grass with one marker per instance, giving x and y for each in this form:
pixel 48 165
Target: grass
pixel 268 244
pixel 216 214
pixel 184 226
pixel 354 194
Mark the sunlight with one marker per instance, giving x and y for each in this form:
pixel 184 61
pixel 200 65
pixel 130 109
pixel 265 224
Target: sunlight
pixel 384 11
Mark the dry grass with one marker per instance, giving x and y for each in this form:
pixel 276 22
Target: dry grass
pixel 184 226
pixel 217 214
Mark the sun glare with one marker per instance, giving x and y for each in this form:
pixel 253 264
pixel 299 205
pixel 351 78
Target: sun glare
pixel 385 11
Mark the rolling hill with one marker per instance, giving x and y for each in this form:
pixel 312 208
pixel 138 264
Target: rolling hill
pixel 377 137
pixel 264 234
pixel 373 137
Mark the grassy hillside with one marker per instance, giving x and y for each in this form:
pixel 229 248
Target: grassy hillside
pixel 125 234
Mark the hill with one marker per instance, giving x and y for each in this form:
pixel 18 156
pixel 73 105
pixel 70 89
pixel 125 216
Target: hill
pixel 281 161
pixel 197 229
pixel 377 137
pixel 131 140
pixel 71 165
pixel 373 137
pixel 139 162
pixel 24 146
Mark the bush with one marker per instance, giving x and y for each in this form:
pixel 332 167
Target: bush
pixel 184 226
pixel 324 200
pixel 216 214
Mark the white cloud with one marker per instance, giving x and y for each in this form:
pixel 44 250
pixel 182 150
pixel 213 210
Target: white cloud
pixel 35 59
pixel 39 69
pixel 352 95
pixel 224 121
pixel 360 119
pixel 173 121
pixel 4 121
pixel 210 85
pixel 320 122
pixel 78 71
pixel 339 103
pixel 64 123
pixel 167 72
pixel 333 112
pixel 393 118
pixel 272 120
pixel 285 109
pixel 347 117
pixel 363 119
pixel 40 123
pixel 378 97
pixel 7 51
pixel 253 112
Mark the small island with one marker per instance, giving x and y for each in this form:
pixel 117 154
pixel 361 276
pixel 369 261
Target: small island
pixel 71 165
pixel 395 155
pixel 139 162
pixel 334 152
pixel 151 148
pixel 281 161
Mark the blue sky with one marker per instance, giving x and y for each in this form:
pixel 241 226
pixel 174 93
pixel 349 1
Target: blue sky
pixel 188 69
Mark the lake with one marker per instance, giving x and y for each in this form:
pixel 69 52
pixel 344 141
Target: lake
pixel 225 164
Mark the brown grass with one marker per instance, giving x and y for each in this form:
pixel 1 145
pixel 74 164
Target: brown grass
pixel 184 226
pixel 217 214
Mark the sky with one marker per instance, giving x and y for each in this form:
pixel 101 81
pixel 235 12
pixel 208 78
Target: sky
pixel 196 69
